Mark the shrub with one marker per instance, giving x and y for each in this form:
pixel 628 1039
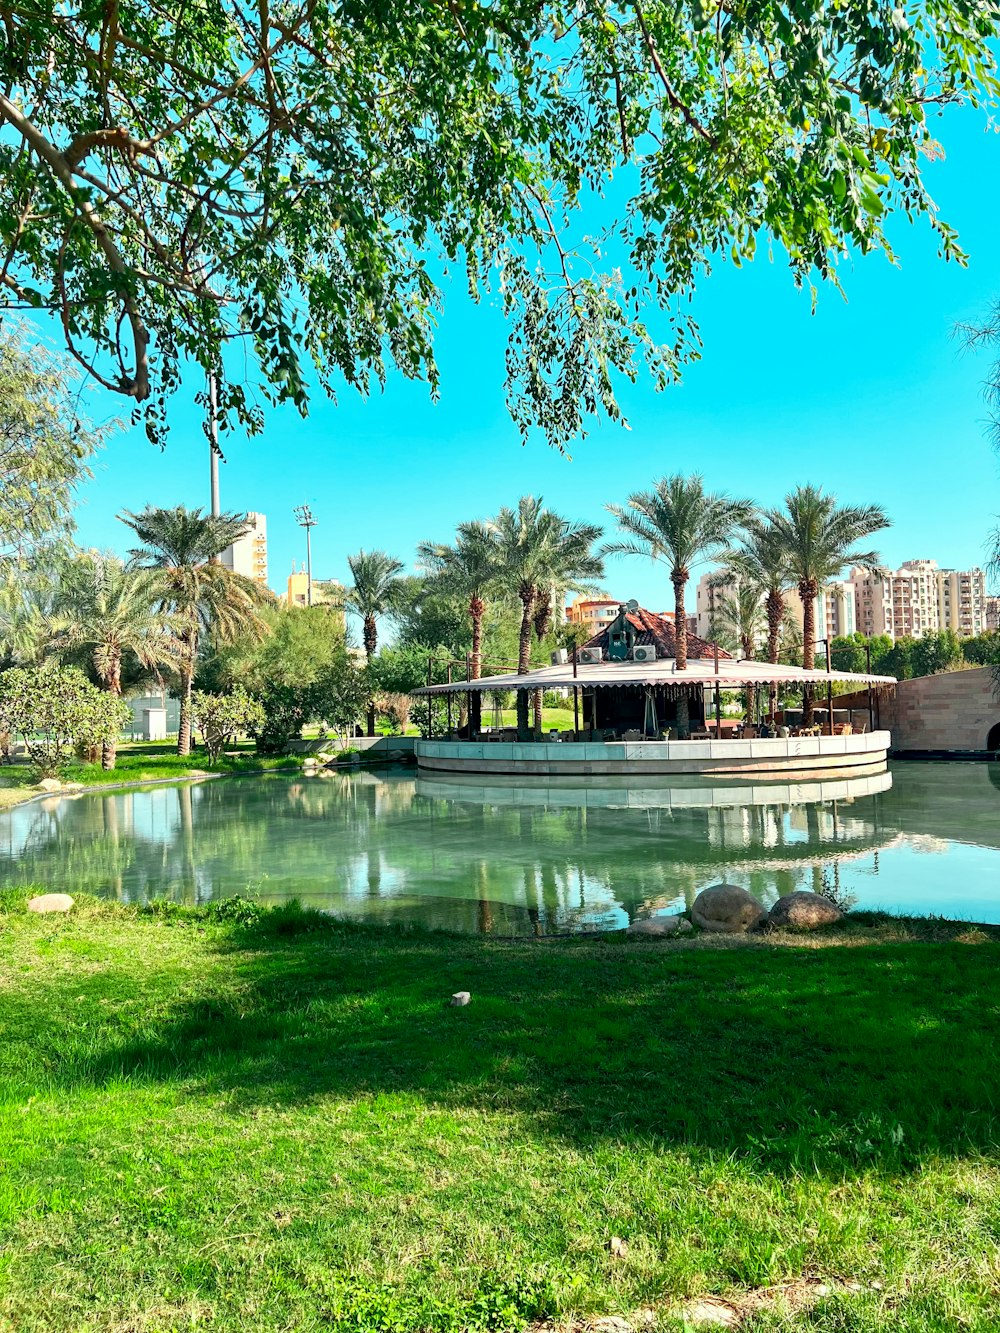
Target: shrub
pixel 219 717
pixel 54 709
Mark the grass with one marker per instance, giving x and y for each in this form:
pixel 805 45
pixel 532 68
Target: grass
pixel 138 762
pixel 249 1120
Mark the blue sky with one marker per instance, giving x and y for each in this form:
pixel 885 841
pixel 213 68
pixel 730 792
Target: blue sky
pixel 871 397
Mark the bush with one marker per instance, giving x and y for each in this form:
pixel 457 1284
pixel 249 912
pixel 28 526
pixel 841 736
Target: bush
pixel 54 709
pixel 219 717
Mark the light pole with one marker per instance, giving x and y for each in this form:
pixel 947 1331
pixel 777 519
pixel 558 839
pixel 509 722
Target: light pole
pixel 213 440
pixel 304 518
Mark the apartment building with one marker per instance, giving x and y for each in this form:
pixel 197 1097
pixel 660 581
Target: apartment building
pixel 992 612
pixel 593 613
pixel 962 601
pixel 248 554
pixel 919 596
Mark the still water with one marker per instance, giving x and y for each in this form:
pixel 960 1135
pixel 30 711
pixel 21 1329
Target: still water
pixel 924 838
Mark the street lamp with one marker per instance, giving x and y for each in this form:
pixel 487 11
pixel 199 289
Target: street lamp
pixel 304 518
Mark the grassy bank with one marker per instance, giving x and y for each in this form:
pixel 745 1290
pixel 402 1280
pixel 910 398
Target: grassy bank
pixel 275 1122
pixel 139 763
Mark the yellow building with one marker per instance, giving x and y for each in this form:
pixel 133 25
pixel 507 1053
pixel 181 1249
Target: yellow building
pixel 592 612
pixel 325 592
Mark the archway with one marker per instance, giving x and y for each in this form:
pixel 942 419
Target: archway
pixel 993 739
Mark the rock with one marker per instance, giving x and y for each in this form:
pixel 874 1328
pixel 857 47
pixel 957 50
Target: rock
pixel 727 908
pixel 661 925
pixel 617 1247
pixel 711 1310
pixel 804 911
pixel 48 784
pixel 460 998
pixel 50 902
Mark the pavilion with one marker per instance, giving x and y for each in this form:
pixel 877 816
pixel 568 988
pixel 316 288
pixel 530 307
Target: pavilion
pixel 626 687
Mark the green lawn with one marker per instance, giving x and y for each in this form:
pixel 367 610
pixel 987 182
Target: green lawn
pixel 138 762
pixel 279 1125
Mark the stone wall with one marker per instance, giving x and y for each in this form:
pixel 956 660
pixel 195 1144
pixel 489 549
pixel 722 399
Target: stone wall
pixel 955 710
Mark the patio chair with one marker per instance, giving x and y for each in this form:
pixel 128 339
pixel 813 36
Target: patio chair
pixel 632 735
pixel 569 735
pixel 748 733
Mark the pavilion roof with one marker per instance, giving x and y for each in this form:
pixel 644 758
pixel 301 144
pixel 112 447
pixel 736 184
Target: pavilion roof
pixel 700 672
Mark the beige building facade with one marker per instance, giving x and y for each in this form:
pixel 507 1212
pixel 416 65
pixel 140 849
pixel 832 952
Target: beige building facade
pixel 919 596
pixel 248 554
pixel 325 592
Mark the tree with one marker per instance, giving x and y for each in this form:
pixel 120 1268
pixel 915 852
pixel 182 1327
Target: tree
pixel 937 650
pixel 761 560
pixel 45 443
pixel 678 522
pixel 983 649
pixel 898 661
pixel 536 550
pixel 112 612
pixel 469 569
pixel 376 580
pixel 847 653
pixel 295 176
pixel 287 670
pixel 739 622
pixel 221 717
pixel 201 595
pixel 820 538
pixel 54 708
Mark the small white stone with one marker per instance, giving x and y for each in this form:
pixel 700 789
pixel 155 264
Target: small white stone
pixel 460 997
pixel 51 902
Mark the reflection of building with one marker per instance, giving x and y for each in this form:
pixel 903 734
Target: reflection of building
pixel 248 554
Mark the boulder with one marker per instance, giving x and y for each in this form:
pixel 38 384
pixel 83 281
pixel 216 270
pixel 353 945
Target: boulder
pixel 727 908
pixel 460 999
pixel 48 784
pixel 660 925
pixel 804 911
pixel 50 902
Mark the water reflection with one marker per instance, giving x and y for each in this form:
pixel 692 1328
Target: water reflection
pixel 513 857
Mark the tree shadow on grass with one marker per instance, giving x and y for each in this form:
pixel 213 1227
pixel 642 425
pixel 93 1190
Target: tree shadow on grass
pixel 823 1059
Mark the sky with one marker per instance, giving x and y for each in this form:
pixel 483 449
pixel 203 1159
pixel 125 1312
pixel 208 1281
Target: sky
pixel 872 397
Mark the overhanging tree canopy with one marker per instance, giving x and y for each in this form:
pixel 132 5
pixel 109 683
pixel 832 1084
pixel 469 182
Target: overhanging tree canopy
pixel 296 175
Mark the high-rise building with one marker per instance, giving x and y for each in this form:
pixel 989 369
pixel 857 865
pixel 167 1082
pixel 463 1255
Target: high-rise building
pixel 919 597
pixel 248 554
pixel 992 612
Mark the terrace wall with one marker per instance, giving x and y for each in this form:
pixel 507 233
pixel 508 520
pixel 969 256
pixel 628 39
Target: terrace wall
pixel 955 710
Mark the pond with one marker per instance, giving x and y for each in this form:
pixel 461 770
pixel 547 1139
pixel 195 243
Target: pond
pixel 923 838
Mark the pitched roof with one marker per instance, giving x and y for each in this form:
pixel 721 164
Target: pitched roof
pixel 651 628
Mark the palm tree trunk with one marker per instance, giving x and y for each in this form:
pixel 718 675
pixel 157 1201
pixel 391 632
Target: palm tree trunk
pixel 184 725
pixel 808 589
pixel 477 609
pixel 371 643
pixel 679 579
pixel 527 595
pixel 109 750
pixel 775 618
pixel 746 644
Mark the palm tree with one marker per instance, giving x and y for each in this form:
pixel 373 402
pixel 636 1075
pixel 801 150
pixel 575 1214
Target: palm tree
pixel 376 578
pixel 539 551
pixel 469 568
pixel 201 594
pixel 761 560
pixel 112 611
pixel 820 538
pixel 679 522
pixel 738 619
